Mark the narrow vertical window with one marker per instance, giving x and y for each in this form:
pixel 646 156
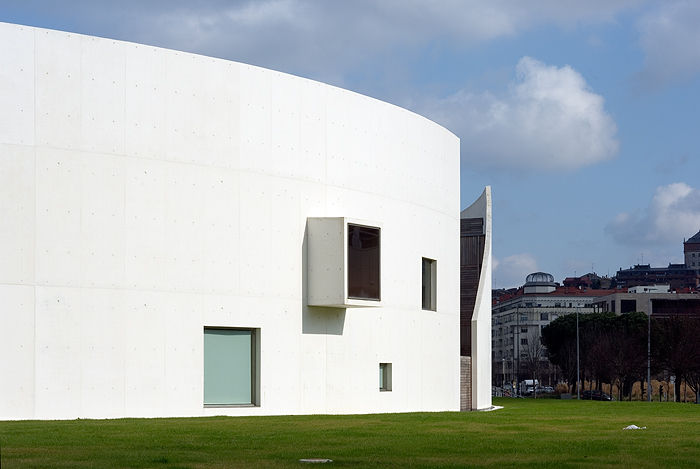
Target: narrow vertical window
pixel 385 376
pixel 429 284
pixel 229 366
pixel 363 262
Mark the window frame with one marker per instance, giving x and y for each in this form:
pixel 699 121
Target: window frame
pixel 254 366
pixel 431 304
pixel 385 377
pixel 349 267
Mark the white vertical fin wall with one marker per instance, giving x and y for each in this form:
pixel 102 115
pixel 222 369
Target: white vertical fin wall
pixel 148 193
pixel 481 318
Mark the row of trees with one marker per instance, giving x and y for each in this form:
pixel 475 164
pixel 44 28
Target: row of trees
pixel 613 349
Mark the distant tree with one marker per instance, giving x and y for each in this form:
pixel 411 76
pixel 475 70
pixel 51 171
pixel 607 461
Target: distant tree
pixel 534 359
pixel 676 349
pixel 559 336
pixel 597 338
pixel 599 353
pixel 612 348
pixel 629 357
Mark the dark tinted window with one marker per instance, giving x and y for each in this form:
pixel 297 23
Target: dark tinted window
pixel 628 306
pixel 363 262
pixel 428 284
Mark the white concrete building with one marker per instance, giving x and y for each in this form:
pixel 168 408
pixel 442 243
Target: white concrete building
pixel 183 236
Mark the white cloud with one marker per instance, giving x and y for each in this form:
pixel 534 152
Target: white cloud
pixel 512 270
pixel 672 214
pixel 319 38
pixel 670 37
pixel 549 120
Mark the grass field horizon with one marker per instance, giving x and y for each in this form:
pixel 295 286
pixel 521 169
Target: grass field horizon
pixel 526 432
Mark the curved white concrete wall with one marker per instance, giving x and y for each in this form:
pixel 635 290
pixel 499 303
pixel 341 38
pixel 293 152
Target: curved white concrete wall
pixel 148 193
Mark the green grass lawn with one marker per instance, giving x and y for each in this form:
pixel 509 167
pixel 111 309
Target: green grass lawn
pixel 526 433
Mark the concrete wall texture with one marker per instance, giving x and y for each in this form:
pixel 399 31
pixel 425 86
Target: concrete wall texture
pixel 148 194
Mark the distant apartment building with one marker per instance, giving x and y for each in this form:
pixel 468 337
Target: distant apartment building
pixel 518 319
pixel 657 300
pixel 691 252
pixel 589 280
pixel 677 276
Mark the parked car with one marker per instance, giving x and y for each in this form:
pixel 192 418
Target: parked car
pixel 527 386
pixel 595 396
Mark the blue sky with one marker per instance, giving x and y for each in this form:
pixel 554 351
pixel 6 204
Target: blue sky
pixel 583 116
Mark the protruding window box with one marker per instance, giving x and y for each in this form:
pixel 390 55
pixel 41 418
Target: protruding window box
pixel 343 262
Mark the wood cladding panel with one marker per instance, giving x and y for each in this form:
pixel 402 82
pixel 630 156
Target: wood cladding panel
pixel 472 241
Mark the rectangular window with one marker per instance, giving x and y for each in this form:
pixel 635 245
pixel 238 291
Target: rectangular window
pixel 363 262
pixel 523 318
pixel 628 306
pixel 544 316
pixel 523 330
pixel 229 366
pixel 523 341
pixel 385 376
pixel 429 284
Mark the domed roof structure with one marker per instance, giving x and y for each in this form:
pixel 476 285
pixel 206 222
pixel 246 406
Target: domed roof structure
pixel 539 277
pixel 539 282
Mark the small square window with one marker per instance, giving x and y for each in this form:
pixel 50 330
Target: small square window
pixel 523 330
pixel 385 376
pixel 544 316
pixel 429 284
pixel 523 341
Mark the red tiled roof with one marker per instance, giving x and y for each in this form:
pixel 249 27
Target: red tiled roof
pixel 561 291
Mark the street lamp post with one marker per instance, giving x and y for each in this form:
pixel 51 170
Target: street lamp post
pixel 578 369
pixel 516 338
pixel 503 369
pixel 649 352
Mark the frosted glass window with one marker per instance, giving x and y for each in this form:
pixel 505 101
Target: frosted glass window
pixel 228 366
pixel 363 262
pixel 385 376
